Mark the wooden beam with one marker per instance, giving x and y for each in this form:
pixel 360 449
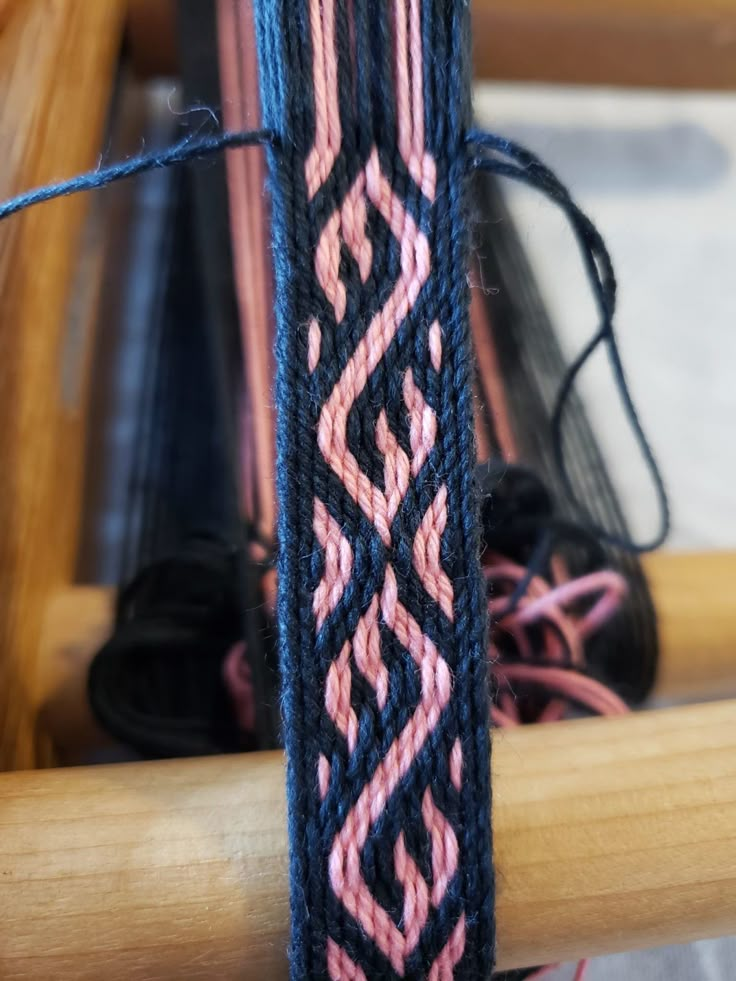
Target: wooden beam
pixel 664 43
pixel 615 835
pixel 692 595
pixel 57 63
pixel 609 834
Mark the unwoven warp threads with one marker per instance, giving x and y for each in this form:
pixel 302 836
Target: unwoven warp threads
pixel 381 609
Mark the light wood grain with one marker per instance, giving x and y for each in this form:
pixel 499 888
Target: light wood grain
pixel 78 621
pixel 609 834
pixel 57 62
pixel 615 835
pixel 692 594
pixel 145 871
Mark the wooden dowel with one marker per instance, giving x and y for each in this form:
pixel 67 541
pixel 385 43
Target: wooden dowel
pixel 78 622
pixel 609 835
pixel 615 834
pixel 126 872
pixel 696 617
pixel 692 596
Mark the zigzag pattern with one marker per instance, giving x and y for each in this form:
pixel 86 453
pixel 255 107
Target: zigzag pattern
pixel 385 700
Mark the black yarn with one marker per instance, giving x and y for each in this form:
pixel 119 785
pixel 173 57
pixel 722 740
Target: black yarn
pixel 202 85
pixel 623 654
pixel 157 684
pixel 516 162
pixel 519 520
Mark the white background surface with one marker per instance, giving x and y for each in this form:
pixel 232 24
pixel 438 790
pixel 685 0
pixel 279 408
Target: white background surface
pixel 657 174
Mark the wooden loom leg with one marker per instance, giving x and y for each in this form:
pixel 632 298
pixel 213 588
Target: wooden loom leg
pixel 609 834
pixel 57 63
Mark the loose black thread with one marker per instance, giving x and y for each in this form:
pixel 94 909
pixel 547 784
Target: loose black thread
pixel 517 163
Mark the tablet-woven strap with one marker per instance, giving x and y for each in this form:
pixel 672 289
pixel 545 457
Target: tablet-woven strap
pixel 381 611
